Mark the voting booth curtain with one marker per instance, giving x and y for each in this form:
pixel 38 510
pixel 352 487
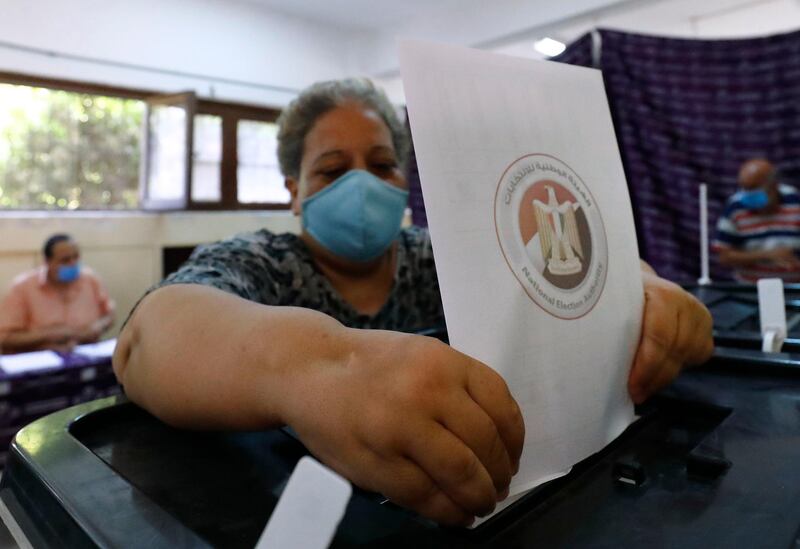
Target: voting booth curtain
pixel 415 201
pixel 685 112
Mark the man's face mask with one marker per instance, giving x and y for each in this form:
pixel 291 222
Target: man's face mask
pixel 68 273
pixel 356 217
pixel 755 200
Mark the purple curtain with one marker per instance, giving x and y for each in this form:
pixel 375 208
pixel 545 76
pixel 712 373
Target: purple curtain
pixel 690 111
pixel 415 201
pixel 578 53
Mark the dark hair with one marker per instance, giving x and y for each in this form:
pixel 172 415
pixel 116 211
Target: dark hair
pixel 301 114
pixel 51 243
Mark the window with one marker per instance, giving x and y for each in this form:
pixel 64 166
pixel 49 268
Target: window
pixel 258 175
pixel 169 144
pixel 65 150
pixel 207 159
pixel 69 146
pixel 238 147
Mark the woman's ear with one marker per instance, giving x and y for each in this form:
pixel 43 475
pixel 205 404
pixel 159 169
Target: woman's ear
pixel 293 187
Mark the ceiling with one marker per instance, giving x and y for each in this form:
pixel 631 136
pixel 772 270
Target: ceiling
pixel 360 14
pixel 512 26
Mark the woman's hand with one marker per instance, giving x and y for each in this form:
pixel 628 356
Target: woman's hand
pixel 676 330
pixel 399 414
pixel 408 416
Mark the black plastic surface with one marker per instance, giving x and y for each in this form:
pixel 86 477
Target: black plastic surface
pixel 734 308
pixel 718 455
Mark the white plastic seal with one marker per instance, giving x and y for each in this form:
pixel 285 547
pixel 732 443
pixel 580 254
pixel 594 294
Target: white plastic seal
pixel 772 311
pixel 309 510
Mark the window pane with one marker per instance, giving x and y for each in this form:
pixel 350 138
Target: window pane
pixel 258 177
pixel 207 158
pixel 167 152
pixel 65 150
pixel 261 184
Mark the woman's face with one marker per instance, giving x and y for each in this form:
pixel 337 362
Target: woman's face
pixel 349 137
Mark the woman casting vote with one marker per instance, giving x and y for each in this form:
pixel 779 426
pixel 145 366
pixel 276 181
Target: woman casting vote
pixel 265 329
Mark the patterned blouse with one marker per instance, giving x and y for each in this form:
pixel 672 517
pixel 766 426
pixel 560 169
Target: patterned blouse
pixel 278 269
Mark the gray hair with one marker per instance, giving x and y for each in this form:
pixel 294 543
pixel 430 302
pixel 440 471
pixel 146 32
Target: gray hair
pixel 301 114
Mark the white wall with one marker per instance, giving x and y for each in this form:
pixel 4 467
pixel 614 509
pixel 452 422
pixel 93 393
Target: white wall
pixel 755 19
pixel 124 249
pixel 224 39
pixel 472 23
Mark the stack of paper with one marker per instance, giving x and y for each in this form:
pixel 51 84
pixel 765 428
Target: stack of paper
pixel 102 349
pixel 30 362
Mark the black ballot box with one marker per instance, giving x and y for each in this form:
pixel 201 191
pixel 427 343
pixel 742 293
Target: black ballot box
pixel 711 462
pixel 734 307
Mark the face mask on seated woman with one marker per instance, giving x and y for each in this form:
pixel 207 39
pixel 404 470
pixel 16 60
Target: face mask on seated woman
pixel 356 217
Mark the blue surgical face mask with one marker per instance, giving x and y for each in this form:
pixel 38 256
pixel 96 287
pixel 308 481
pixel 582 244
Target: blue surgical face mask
pixel 755 200
pixel 68 273
pixel 356 217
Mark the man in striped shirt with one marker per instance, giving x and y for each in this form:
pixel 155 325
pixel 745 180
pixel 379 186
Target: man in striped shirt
pixel 758 234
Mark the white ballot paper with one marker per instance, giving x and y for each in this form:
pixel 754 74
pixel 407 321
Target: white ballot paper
pixel 533 237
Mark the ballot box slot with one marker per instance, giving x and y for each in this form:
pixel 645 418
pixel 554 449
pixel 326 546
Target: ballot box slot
pixel 664 438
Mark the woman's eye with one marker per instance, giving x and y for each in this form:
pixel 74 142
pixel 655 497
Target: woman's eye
pixel 332 174
pixel 385 166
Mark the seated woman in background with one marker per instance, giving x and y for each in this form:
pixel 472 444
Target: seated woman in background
pixel 56 306
pixel 261 330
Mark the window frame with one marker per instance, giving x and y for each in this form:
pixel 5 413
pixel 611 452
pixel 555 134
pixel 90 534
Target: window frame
pixel 230 112
pixel 188 102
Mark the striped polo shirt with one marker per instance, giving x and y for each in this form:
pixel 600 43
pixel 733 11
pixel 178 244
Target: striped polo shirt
pixel 744 229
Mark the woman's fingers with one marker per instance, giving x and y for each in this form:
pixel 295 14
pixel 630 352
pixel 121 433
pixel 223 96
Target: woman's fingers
pixel 659 331
pixel 408 485
pixel 488 389
pixel 454 468
pixel 676 330
pixel 473 426
pixel 666 373
pixel 702 346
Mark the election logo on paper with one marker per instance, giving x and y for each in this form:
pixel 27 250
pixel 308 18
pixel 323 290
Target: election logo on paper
pixel 552 236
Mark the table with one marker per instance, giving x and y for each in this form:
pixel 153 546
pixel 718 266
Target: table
pixel 28 395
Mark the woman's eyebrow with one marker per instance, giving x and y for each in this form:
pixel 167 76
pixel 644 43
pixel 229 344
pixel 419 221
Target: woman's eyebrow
pixel 326 155
pixel 382 148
